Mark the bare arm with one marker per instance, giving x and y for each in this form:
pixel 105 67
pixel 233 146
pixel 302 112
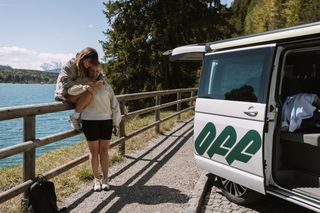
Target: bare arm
pixel 96 84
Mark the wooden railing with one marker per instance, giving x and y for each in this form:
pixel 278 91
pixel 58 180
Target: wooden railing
pixel 31 143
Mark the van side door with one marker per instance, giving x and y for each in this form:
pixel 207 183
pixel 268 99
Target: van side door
pixel 231 114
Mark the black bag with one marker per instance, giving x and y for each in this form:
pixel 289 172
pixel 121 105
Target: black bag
pixel 42 196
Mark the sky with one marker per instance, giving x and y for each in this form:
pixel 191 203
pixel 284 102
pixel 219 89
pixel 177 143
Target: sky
pixel 34 32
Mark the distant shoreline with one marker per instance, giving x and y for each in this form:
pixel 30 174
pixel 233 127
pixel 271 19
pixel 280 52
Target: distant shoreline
pixel 27 76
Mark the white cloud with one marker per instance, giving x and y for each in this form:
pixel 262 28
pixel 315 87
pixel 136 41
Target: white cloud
pixel 22 58
pixel 90 26
pixel 55 56
pixel 15 51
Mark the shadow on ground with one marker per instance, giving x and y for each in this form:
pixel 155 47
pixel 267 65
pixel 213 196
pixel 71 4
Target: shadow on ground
pixel 139 192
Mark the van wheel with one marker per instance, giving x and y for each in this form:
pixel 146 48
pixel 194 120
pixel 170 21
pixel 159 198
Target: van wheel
pixel 237 193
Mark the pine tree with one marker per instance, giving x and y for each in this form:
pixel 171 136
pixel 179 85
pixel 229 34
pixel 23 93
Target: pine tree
pixel 141 30
pixel 292 11
pixel 240 9
pixel 310 11
pixel 265 15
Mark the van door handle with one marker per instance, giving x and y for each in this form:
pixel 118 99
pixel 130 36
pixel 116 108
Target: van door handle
pixel 251 112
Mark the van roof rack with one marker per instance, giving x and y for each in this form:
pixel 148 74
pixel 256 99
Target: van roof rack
pixel 195 52
pixel 279 35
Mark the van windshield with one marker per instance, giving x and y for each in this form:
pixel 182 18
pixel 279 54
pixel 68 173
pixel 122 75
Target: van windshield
pixel 236 75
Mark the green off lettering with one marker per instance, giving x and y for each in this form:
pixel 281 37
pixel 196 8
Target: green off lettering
pixel 225 144
pixel 229 136
pixel 241 151
pixel 205 138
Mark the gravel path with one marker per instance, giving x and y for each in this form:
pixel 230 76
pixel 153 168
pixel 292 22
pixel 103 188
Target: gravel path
pixel 159 178
pixel 215 202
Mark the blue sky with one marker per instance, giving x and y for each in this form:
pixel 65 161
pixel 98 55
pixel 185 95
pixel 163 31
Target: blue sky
pixel 40 31
pixel 34 32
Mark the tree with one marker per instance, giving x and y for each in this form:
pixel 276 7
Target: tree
pixel 141 30
pixel 240 10
pixel 310 11
pixel 265 15
pixel 298 12
pixel 291 12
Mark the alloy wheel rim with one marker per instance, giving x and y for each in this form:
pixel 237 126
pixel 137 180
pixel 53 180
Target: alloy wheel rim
pixel 233 188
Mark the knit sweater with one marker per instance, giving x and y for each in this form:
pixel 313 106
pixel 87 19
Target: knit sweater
pixel 104 104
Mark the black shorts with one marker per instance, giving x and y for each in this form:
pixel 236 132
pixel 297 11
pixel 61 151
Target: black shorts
pixel 97 130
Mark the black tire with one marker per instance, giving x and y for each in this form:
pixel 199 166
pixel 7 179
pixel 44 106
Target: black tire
pixel 237 193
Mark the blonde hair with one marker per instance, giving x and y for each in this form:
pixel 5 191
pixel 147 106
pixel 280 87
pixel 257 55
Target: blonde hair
pixel 87 53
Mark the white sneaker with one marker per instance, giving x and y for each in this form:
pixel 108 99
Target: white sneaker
pixel 75 123
pixel 96 185
pixel 105 184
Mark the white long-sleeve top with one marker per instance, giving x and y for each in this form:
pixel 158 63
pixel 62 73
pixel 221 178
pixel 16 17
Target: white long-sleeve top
pixel 295 109
pixel 103 106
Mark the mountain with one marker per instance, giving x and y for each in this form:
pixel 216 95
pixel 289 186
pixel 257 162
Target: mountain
pixel 5 67
pixel 52 66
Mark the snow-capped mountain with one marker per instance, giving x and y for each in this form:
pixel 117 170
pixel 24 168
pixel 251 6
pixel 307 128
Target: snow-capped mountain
pixel 52 66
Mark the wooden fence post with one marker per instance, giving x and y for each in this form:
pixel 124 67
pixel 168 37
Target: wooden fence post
pixel 191 96
pixel 29 157
pixel 158 102
pixel 179 105
pixel 122 146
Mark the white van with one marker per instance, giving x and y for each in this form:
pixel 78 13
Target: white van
pixel 240 134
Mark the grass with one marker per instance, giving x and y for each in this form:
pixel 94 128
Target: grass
pixel 69 182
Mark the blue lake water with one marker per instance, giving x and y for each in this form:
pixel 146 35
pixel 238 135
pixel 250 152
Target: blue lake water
pixel 11 131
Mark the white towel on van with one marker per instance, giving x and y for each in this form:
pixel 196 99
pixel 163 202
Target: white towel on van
pixel 295 109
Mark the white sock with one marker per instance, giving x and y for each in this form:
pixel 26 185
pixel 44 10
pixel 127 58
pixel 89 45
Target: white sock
pixel 76 115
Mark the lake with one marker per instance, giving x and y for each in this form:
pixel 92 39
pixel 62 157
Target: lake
pixel 11 131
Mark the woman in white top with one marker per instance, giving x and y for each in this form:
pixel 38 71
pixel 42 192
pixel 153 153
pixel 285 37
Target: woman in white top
pixel 98 119
pixel 72 70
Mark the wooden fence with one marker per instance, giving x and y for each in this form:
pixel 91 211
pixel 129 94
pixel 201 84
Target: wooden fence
pixel 31 143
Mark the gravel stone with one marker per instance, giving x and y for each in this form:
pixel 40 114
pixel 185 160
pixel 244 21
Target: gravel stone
pixel 267 204
pixel 159 178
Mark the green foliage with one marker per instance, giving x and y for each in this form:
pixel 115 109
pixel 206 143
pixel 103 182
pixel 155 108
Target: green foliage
pixel 310 11
pixel 84 174
pixel 292 12
pixel 116 158
pixel 27 76
pixel 264 16
pixel 141 30
pixel 253 16
pixel 240 10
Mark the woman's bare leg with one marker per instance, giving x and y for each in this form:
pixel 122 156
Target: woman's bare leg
pixel 104 157
pixel 94 157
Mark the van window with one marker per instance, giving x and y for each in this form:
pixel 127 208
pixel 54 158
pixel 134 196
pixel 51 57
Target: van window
pixel 301 72
pixel 237 75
